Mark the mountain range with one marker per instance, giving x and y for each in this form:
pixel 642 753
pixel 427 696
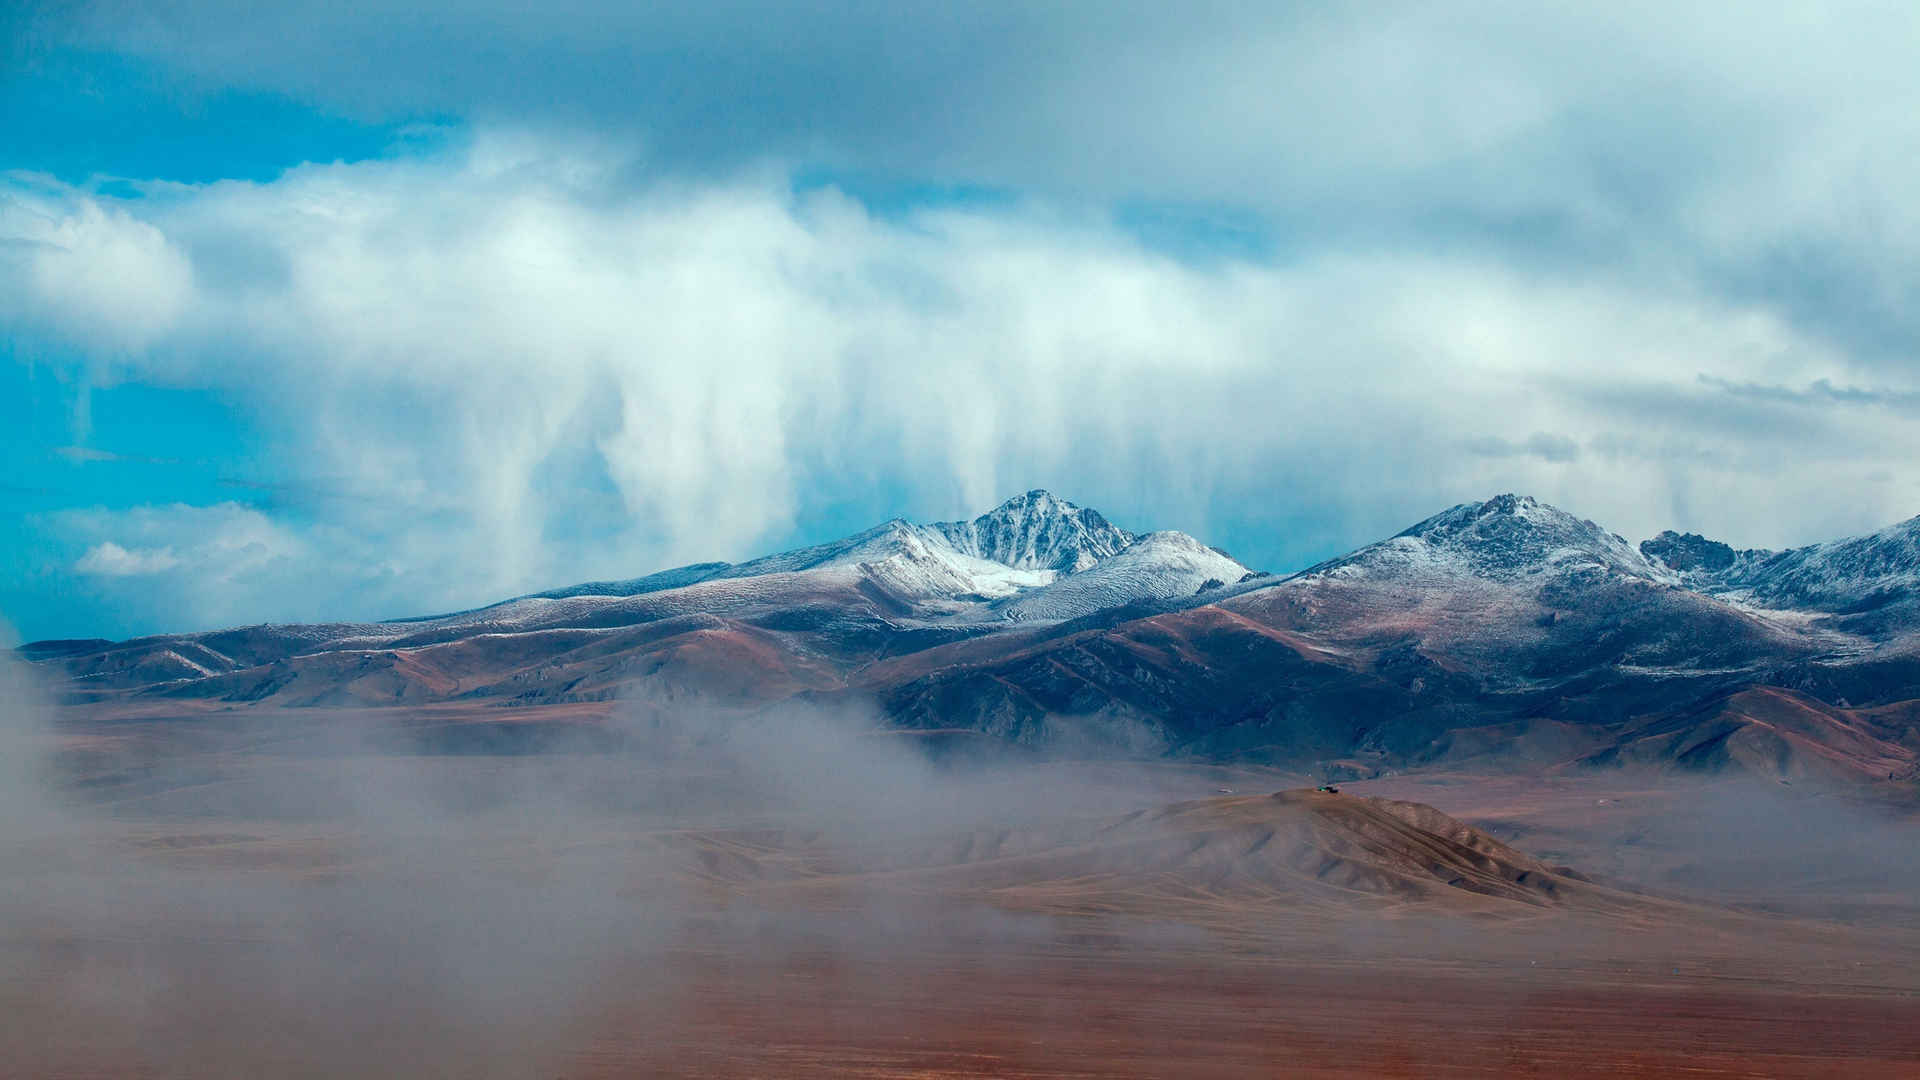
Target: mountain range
pixel 1506 634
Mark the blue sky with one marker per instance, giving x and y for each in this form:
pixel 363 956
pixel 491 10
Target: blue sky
pixel 398 307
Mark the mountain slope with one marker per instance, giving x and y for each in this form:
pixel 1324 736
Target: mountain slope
pixel 1034 558
pixel 1506 538
pixel 1507 633
pixel 1850 576
pixel 1774 733
pixel 1864 587
pixel 1501 631
pixel 1197 861
pixel 1156 566
pixel 1517 591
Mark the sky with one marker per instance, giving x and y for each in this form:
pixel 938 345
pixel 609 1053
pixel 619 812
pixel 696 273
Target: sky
pixel 393 307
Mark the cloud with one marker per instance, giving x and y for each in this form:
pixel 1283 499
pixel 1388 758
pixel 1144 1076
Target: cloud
pixel 87 455
pixel 85 270
pixel 83 455
pixel 108 559
pixel 596 324
pixel 205 565
pixel 532 364
pixel 1820 392
pixel 1541 444
pixel 1767 153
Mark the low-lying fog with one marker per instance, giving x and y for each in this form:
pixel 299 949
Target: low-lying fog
pixel 296 896
pixel 255 895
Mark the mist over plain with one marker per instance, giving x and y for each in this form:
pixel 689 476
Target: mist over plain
pixel 258 897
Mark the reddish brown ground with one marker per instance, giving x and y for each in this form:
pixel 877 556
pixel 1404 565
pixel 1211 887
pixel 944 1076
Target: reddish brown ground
pixel 231 944
pixel 1057 1009
pixel 1090 1016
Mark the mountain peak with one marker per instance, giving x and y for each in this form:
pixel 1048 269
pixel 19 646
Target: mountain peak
pixel 1037 499
pixel 1507 505
pixel 1689 551
pixel 1038 531
pixel 1506 537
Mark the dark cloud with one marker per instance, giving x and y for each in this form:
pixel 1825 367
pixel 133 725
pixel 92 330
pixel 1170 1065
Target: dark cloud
pixel 1820 392
pixel 1765 156
pixel 629 287
pixel 1541 444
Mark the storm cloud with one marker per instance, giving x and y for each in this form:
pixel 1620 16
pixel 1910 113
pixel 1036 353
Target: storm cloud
pixel 677 283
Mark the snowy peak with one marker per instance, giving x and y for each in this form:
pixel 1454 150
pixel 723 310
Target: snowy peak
pixel 1844 576
pixel 1157 566
pixel 1038 531
pixel 1506 538
pixel 1024 559
pixel 1518 534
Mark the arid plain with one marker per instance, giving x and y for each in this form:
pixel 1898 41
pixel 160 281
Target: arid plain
pixel 804 895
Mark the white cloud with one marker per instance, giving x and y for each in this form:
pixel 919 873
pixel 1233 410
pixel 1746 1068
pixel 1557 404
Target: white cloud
pixel 1673 131
pixel 181 565
pixel 487 347
pixel 85 270
pixel 108 559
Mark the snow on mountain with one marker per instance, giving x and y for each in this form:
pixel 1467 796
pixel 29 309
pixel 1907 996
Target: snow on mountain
pixel 675 578
pixel 1509 594
pixel 961 569
pixel 1029 545
pixel 1699 563
pixel 1038 531
pixel 912 561
pixel 919 563
pixel 1156 566
pixel 1850 576
pixel 1508 538
pixel 1859 574
pixel 881 541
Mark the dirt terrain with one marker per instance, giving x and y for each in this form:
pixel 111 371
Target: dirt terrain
pixel 1083 1012
pixel 831 905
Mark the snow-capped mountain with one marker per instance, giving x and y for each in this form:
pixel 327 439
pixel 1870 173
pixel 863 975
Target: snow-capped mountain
pixel 1022 543
pixel 1038 531
pixel 1035 557
pixel 1505 627
pixel 1701 564
pixel 1858 574
pixel 1517 593
pixel 1508 538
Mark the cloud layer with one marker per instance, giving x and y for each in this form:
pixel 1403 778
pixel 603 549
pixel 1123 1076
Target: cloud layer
pixel 1656 264
pixel 542 361
pixel 1769 151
